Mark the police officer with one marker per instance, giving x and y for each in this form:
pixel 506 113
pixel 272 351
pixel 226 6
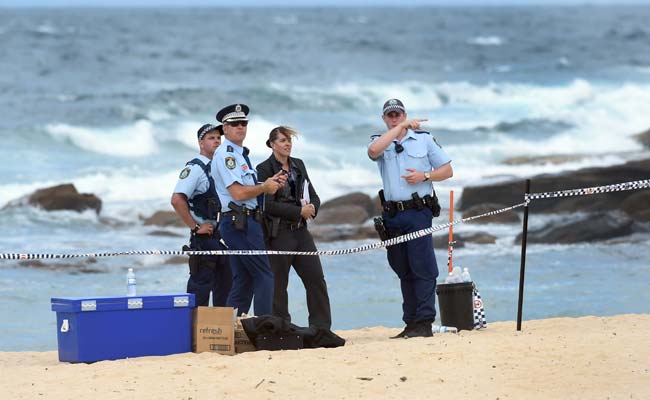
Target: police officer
pixel 409 160
pixel 196 202
pixel 238 189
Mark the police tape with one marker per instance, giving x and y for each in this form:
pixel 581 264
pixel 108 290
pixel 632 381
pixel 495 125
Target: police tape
pixel 619 187
pixel 360 249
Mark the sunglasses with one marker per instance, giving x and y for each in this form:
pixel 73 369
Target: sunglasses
pixel 238 123
pixel 398 148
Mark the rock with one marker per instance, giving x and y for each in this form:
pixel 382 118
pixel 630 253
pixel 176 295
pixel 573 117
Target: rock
pixel 346 214
pixel 442 241
pixel 512 192
pixel 76 267
pixel 586 228
pixel 332 233
pixel 164 218
pixel 508 217
pixel 638 205
pixel 351 199
pixel 164 233
pixel 60 197
pixel 377 210
pixel 644 138
pixel 480 238
pixel 541 160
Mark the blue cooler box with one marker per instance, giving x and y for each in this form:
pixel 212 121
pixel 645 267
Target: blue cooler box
pixel 109 328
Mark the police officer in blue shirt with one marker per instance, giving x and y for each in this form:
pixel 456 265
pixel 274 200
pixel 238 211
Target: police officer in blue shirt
pixel 409 160
pixel 238 189
pixel 196 202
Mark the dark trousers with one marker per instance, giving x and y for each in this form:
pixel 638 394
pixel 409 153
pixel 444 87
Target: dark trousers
pixel 214 277
pixel 251 275
pixel 310 271
pixel 414 263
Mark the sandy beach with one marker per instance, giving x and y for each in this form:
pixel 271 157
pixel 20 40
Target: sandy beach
pixel 559 358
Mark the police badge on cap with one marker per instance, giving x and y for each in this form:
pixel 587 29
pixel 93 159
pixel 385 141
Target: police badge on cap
pixel 393 105
pixel 233 112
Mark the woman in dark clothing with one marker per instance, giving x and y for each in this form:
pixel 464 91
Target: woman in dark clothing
pixel 286 214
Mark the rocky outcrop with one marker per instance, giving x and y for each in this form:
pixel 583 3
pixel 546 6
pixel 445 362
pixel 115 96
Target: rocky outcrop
pixel 334 233
pixel 541 160
pixel 60 197
pixel 511 192
pixel 592 227
pixel 347 214
pixel 352 199
pixel 508 217
pixel 164 218
pixel 81 267
pixel 644 138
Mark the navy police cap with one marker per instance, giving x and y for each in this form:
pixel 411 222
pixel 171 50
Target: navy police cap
pixel 207 128
pixel 233 112
pixel 393 105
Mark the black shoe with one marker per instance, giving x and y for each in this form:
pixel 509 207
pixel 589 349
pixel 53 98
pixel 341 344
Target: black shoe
pixel 409 326
pixel 422 329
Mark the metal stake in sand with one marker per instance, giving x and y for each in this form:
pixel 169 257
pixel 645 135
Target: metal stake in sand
pixel 522 270
pixel 450 248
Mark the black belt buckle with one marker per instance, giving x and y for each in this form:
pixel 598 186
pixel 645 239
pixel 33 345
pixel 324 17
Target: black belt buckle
pixel 400 205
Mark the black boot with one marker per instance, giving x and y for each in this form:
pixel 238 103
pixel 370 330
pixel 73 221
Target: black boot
pixel 409 326
pixel 421 329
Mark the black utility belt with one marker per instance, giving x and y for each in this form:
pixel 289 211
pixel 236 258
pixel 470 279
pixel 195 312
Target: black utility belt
pixel 402 205
pixel 244 211
pixel 417 203
pixel 293 226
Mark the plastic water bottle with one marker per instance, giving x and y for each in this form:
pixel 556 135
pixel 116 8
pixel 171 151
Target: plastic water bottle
pixel 465 276
pixel 130 283
pixel 444 329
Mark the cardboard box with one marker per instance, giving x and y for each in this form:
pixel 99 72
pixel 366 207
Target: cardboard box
pixel 213 330
pixel 242 343
pixel 93 329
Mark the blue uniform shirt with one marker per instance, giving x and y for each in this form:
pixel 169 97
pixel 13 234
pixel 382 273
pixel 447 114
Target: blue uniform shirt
pixel 421 152
pixel 229 166
pixel 192 182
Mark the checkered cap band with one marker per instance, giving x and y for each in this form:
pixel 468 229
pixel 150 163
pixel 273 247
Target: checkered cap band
pixel 234 116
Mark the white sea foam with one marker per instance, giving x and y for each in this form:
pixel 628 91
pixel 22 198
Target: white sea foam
pixel 133 140
pixel 486 41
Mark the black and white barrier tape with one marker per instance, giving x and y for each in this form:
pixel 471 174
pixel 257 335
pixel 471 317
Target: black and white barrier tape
pixel 619 187
pixel 359 249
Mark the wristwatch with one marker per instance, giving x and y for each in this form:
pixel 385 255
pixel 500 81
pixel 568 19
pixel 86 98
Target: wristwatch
pixel 195 229
pixel 427 176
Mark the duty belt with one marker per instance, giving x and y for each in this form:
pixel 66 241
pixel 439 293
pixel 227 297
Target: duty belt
pixel 292 226
pixel 245 211
pixel 392 206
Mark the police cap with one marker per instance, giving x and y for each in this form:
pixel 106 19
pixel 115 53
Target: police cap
pixel 233 112
pixel 207 128
pixel 394 105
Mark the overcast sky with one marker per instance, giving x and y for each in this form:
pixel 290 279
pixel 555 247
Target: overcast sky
pixel 289 3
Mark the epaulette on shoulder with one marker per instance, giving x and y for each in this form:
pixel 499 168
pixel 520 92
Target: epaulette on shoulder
pixel 421 132
pixel 374 136
pixel 229 149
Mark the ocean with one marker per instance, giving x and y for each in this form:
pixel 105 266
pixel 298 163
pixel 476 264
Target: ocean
pixel 110 100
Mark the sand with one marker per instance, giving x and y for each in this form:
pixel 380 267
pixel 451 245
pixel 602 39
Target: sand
pixel 560 358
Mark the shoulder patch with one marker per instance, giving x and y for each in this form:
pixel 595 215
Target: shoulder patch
pixel 230 162
pixel 421 132
pixel 184 173
pixel 229 149
pixel 436 142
